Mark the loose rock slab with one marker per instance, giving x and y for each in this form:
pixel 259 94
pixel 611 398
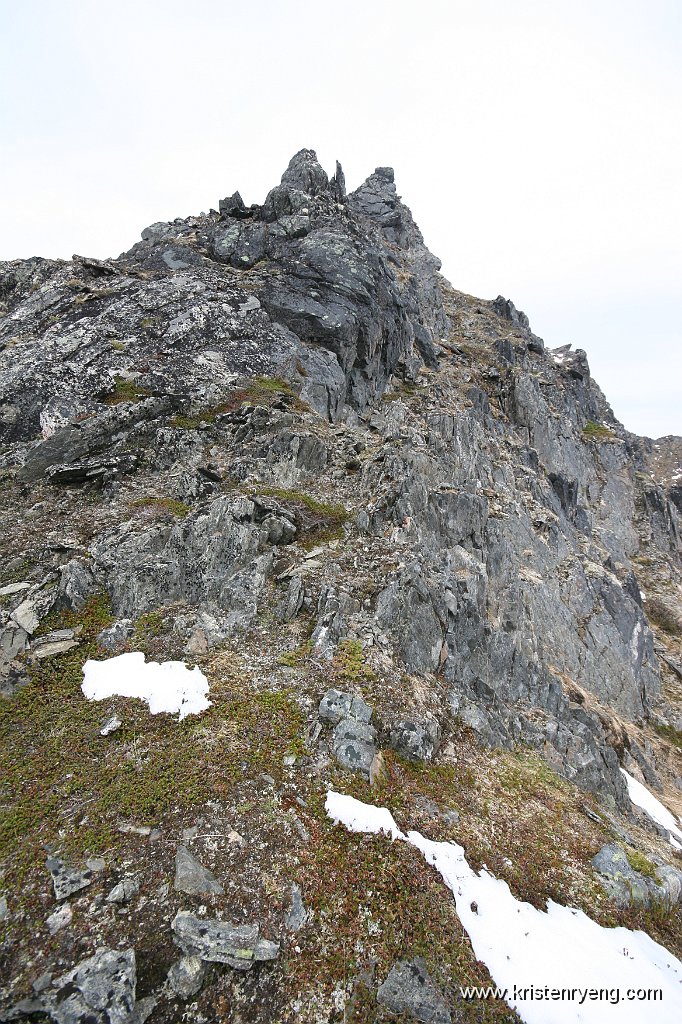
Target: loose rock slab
pixel 221 942
pixel 67 880
pixel 192 877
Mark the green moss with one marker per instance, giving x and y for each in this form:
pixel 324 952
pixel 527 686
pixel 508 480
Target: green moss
pixel 18 574
pixel 316 521
pixel 597 432
pixel 93 617
pixel 669 733
pixel 638 862
pixel 349 665
pixel 148 627
pixel 125 391
pixel 297 657
pixel 60 781
pixel 258 390
pixel 170 505
pixel 400 390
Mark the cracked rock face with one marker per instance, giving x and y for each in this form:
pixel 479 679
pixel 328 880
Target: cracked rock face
pixel 513 499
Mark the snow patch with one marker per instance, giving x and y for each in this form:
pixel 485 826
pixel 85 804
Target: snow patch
pixel 359 817
pixel 525 948
pixel 643 798
pixel 168 686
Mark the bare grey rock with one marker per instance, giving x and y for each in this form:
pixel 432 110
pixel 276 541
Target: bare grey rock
pixel 186 976
pixel 409 989
pixel 191 877
pixel 114 637
pixel 297 915
pixel 50 644
pixel 125 890
pixel 354 746
pixel 100 990
pixel 417 741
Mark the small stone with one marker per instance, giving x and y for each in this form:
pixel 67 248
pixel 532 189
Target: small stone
pixel 137 830
pixel 186 976
pixel 417 741
pixel 197 644
pixel 353 746
pixel 42 983
pixel 112 724
pixel 14 588
pixel 114 637
pixel 191 877
pixel 334 706
pixel 298 915
pixel 125 891
pixel 4 909
pixel 96 863
pixel 60 919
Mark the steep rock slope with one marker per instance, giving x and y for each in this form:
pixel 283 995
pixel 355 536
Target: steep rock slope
pixel 280 423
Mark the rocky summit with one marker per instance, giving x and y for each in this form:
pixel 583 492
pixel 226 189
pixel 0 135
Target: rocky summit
pixel 415 557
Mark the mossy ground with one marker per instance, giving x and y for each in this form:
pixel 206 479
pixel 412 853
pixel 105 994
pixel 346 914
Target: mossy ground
pixel 171 506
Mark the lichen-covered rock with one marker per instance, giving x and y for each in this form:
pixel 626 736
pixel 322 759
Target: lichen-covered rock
pixel 67 879
pixel 186 976
pixel 239 946
pixel 409 989
pixel 100 990
pixel 417 741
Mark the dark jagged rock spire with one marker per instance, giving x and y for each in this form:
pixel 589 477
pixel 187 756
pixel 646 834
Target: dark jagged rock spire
pixel 305 173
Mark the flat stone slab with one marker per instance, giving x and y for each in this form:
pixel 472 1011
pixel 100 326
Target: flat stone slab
pixel 67 880
pixel 221 942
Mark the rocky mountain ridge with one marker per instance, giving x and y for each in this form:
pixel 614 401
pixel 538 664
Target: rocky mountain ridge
pixel 277 434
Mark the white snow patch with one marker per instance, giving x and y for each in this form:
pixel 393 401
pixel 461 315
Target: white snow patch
pixel 166 687
pixel 359 817
pixel 524 948
pixel 641 796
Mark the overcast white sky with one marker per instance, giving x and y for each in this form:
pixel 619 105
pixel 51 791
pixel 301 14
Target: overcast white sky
pixel 538 143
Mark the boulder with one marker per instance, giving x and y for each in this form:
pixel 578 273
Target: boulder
pixel 409 989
